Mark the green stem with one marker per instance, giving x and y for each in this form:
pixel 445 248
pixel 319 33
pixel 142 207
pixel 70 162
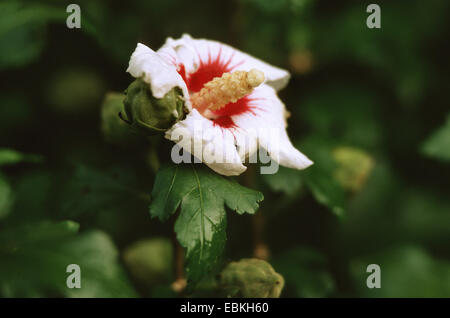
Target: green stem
pixel 179 284
pixel 258 221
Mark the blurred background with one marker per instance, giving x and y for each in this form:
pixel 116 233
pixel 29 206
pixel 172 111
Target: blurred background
pixel 368 106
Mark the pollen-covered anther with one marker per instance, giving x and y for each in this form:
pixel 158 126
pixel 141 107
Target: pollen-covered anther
pixel 228 88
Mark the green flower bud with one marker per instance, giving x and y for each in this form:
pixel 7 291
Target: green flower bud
pixel 75 91
pixel 115 130
pixel 354 166
pixel 151 114
pixel 251 278
pixel 150 261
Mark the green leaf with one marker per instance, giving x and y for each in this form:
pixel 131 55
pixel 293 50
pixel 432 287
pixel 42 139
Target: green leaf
pixel 91 190
pixel 34 258
pixel 438 144
pixel 6 197
pixel 305 272
pixel 326 191
pixel 15 113
pixel 286 180
pixel 34 194
pixel 357 122
pixel 200 227
pixel 10 156
pixel 406 271
pixel 423 216
pixel 22 31
pixel 14 238
pixel 319 178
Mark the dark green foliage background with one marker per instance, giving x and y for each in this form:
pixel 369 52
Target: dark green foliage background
pixel 84 201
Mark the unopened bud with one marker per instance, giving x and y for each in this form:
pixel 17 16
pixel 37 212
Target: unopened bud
pixel 354 166
pixel 150 114
pixel 251 278
pixel 149 261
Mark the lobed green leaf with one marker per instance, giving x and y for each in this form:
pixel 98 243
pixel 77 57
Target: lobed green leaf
pixel 202 196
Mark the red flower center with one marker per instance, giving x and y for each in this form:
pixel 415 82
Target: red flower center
pixel 207 70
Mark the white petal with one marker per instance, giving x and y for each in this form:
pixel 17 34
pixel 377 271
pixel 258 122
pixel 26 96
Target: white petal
pixel 268 123
pixel 211 144
pixel 157 70
pixel 190 51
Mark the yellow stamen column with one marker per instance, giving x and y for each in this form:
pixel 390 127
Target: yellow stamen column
pixel 228 88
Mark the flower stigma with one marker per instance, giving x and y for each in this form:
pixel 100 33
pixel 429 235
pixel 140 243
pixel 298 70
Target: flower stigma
pixel 228 88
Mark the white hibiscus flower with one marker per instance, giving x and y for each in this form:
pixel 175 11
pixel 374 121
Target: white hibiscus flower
pixel 228 93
